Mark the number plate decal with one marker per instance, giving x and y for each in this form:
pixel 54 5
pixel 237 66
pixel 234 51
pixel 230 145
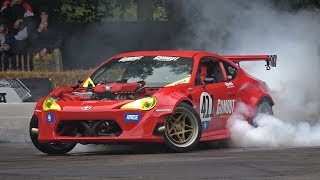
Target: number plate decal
pixel 206 107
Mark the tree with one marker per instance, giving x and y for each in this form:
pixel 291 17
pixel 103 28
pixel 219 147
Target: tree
pixel 84 10
pixel 103 10
pixel 297 4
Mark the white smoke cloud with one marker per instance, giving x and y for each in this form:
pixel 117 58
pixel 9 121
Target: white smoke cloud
pixel 293 37
pixel 234 27
pixel 273 132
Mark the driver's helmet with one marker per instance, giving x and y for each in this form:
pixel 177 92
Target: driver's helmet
pixel 203 70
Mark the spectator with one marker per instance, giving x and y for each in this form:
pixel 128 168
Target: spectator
pixel 17 13
pixel 46 40
pixel 6 44
pixel 15 10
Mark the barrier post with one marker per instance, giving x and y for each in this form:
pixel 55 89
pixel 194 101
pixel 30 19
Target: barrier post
pixel 28 62
pixel 10 63
pixel 57 59
pixel 2 64
pixel 22 62
pixel 17 62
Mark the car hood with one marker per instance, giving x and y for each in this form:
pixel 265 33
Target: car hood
pixel 91 105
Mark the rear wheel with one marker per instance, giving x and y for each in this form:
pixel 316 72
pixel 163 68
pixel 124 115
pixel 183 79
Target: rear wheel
pixel 264 107
pixel 49 148
pixel 183 129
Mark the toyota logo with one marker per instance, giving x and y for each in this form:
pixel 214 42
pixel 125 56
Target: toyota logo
pixel 86 108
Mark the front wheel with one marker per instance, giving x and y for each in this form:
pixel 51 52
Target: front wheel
pixel 49 148
pixel 182 129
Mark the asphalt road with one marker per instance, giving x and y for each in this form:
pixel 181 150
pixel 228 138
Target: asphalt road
pixel 23 161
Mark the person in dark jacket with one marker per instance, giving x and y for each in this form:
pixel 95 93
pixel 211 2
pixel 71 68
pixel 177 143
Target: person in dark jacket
pixel 46 39
pixel 6 46
pixel 17 12
pixel 14 11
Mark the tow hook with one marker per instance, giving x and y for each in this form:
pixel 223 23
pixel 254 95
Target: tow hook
pixel 161 129
pixel 34 131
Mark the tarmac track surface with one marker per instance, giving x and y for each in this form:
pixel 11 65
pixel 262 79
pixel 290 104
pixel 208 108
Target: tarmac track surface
pixel 23 161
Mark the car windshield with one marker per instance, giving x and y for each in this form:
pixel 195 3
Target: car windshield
pixel 155 71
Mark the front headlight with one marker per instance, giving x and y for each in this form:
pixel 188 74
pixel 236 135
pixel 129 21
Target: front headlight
pixel 50 104
pixel 144 104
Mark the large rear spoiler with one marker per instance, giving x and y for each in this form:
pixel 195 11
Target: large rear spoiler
pixel 271 60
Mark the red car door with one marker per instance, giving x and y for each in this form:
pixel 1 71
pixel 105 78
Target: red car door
pixel 211 95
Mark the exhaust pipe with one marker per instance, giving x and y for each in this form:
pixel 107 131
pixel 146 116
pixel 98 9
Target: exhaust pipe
pixel 35 131
pixel 161 129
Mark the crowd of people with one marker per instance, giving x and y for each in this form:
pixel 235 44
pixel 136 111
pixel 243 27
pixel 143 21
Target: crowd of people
pixel 26 33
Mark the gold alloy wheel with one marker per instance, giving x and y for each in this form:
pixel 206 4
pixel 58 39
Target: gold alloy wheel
pixel 180 128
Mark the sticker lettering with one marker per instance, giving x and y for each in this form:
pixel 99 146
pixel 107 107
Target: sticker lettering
pixel 182 81
pixel 225 106
pixel 133 58
pixel 166 58
pixel 163 110
pixel 50 118
pixel 205 125
pixel 231 70
pixel 229 85
pixel 206 107
pixel 132 117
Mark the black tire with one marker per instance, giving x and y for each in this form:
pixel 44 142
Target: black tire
pixel 264 107
pixel 48 148
pixel 186 127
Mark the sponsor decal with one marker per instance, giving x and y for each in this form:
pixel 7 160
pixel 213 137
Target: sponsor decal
pixel 225 106
pixel 182 81
pixel 132 117
pixel 133 58
pixel 87 82
pixel 231 70
pixel 166 58
pixel 205 125
pixel 86 108
pixel 50 118
pixel 3 97
pixel 163 110
pixel 229 85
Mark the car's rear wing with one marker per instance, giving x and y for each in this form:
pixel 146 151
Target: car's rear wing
pixel 271 60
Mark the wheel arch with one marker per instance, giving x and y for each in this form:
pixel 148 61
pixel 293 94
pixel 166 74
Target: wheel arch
pixel 185 101
pixel 265 98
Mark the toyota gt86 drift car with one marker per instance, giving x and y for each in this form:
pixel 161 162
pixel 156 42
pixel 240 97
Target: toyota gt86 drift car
pixel 178 98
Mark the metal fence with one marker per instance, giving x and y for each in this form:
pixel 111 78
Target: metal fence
pixel 32 62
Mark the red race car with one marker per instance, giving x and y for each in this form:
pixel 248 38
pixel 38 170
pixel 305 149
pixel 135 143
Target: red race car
pixel 174 97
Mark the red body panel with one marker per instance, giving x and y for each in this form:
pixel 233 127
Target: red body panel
pixel 243 88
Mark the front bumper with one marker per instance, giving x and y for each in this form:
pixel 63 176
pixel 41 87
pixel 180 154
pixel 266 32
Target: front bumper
pixel 132 130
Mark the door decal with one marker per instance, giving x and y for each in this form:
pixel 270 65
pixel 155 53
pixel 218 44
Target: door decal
pixel 206 109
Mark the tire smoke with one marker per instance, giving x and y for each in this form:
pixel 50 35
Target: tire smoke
pixel 234 27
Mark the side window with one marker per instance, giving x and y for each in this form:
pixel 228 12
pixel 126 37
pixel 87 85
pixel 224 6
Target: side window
pixel 209 72
pixel 230 70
